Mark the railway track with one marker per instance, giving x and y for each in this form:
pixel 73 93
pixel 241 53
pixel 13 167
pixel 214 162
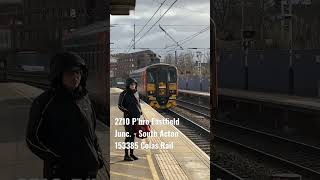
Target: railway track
pixel 200 136
pixel 292 155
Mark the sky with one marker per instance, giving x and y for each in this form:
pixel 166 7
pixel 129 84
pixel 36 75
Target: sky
pixel 185 18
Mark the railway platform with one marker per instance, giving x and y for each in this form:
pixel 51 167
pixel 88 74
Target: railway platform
pixel 282 113
pixel 184 161
pixel 16 160
pixel 297 103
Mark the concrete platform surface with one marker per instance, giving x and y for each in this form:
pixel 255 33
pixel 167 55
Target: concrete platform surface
pixel 274 98
pixel 184 161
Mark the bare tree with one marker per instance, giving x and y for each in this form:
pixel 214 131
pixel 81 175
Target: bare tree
pixel 169 59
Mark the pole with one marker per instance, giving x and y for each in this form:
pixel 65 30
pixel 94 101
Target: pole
pixel 262 22
pixel 213 70
pixel 213 82
pixel 282 19
pixel 134 36
pixel 242 19
pixel 199 54
pixel 291 74
pixel 246 71
pixel 290 31
pixel 175 58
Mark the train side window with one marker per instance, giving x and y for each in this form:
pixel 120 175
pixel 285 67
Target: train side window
pixel 151 77
pixel 172 76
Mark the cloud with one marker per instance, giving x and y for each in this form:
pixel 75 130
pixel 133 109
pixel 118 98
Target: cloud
pixel 186 18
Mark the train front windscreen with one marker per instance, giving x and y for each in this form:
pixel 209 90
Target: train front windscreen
pixel 162 77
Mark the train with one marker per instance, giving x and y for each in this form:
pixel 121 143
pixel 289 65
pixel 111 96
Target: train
pixel 157 85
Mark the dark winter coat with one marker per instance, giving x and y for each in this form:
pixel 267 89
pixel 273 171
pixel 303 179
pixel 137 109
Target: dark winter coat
pixel 61 131
pixel 129 102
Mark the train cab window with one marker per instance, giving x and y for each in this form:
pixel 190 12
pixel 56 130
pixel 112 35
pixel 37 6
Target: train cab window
pixel 151 77
pixel 172 75
pixel 162 76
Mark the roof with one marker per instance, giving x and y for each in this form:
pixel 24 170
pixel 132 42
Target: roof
pixel 99 26
pixel 122 7
pixel 10 1
pixel 118 7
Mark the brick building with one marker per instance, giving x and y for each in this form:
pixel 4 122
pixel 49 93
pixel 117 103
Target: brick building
pixel 113 67
pixel 126 63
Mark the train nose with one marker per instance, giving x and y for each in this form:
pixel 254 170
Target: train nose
pixel 162 101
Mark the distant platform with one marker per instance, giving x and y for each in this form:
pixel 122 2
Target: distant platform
pixel 295 102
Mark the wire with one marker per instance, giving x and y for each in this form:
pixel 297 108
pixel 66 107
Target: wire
pixel 193 11
pixel 183 41
pixel 147 22
pixel 154 23
pixel 170 36
pixel 161 48
pixel 174 25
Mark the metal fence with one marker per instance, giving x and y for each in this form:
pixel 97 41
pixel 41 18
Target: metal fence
pixel 268 71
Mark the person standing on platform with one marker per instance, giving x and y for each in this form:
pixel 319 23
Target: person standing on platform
pixel 62 122
pixel 129 104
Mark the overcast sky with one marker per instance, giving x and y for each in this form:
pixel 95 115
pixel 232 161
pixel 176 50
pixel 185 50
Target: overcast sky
pixel 184 19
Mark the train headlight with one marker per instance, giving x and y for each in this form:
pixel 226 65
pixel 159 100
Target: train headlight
pixel 172 91
pixel 151 92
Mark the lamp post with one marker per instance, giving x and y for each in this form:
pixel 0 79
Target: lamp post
pixel 199 54
pixel 287 21
pixel 247 37
pixel 213 74
pixel 213 86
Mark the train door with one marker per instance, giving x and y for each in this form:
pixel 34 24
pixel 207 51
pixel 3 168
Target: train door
pixel 162 86
pixel 151 83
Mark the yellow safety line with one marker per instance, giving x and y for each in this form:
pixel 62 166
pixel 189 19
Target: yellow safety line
pixel 134 165
pixel 152 166
pixel 20 93
pixel 116 154
pixel 129 176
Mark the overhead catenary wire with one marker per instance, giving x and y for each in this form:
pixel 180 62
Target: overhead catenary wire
pixel 161 48
pixel 174 25
pixel 183 41
pixel 154 23
pixel 170 37
pixel 135 35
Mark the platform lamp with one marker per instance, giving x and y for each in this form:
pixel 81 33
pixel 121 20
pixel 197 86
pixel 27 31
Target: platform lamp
pixel 213 84
pixel 247 36
pixel 213 70
pixel 199 65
